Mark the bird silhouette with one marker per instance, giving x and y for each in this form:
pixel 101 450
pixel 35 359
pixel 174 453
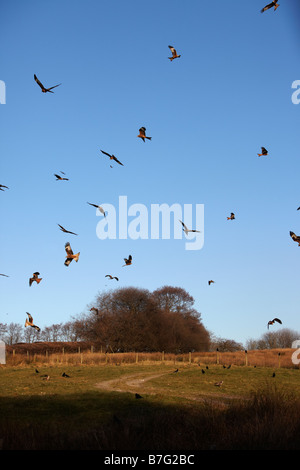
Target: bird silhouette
pixel 29 322
pixel 4 275
pixel 211 282
pixel 263 152
pixel 65 375
pixel 112 157
pixel 295 237
pixel 94 309
pixel 271 322
pixel 35 278
pixel 65 230
pixel 112 277
pixel 187 230
pixel 232 216
pixel 137 395
pixel 60 178
pixel 45 90
pixel 142 134
pixel 70 255
pixel 174 53
pixel 274 4
pixel 3 187
pixel 128 261
pixel 98 207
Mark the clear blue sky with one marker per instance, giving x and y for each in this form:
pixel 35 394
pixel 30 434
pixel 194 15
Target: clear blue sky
pixel 208 113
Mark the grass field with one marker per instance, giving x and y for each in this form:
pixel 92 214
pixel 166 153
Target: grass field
pixel 95 407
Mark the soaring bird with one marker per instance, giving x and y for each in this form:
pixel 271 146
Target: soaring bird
pixel 210 282
pixel 128 261
pixel 142 134
pixel 264 151
pixel 60 178
pixel 112 277
pixel 174 53
pixel 112 157
pixel 98 207
pixel 295 237
pixel 35 278
pixel 93 309
pixel 65 230
pixel 273 321
pixel 274 4
pixel 232 216
pixel 29 322
pixel 186 230
pixel 45 90
pixel 298 208
pixel 3 186
pixel 70 255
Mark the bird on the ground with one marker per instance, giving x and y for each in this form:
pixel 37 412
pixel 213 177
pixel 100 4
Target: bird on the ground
pixel 264 151
pixel 203 371
pixel 219 384
pixel 211 282
pixel 295 237
pixel 3 186
pixel 29 322
pixel 70 255
pixel 187 230
pixel 271 322
pixel 137 395
pixel 65 230
pixel 175 371
pixel 37 371
pixel 94 309
pixel 35 278
pixel 274 4
pixel 112 277
pixel 45 90
pixel 142 134
pixel 273 375
pixel 232 216
pixel 60 178
pixel 174 53
pixel 98 207
pixel 112 157
pixel 128 261
pixel 65 375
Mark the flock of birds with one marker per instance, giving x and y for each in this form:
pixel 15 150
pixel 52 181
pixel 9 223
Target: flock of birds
pixel 70 256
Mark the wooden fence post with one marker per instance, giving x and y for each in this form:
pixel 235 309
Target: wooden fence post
pixel 136 357
pixel 279 359
pixel 217 356
pixel 246 357
pixel 190 357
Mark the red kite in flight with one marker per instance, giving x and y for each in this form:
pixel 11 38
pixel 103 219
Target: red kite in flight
pixel 263 152
pixel 98 207
pixel 112 277
pixel 70 255
pixel 45 90
pixel 210 282
pixel 29 322
pixel 186 230
pixel 58 177
pixel 273 321
pixel 2 186
pixel 35 278
pixel 174 53
pixel 128 261
pixel 142 134
pixel 274 4
pixel 232 216
pixel 66 231
pixel 295 237
pixel 112 157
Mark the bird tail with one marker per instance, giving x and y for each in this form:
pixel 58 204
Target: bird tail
pixel 171 58
pixel 38 280
pixel 76 257
pixel 27 323
pixel 149 138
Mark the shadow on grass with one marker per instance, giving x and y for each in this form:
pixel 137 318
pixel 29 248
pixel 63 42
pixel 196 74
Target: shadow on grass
pixel 270 419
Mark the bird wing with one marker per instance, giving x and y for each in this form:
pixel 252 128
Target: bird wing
pixel 94 205
pixel 68 249
pixel 184 226
pixel 105 153
pixel 30 319
pixel 53 87
pixel 173 50
pixel 38 82
pixel 143 130
pixel 278 320
pixel 117 160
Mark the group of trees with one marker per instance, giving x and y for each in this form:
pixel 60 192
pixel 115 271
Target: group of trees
pixel 134 319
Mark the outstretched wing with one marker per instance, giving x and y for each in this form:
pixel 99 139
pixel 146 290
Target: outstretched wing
pixel 38 82
pixel 173 50
pixel 116 160
pixel 105 153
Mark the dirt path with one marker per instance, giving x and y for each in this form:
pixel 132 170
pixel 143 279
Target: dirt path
pixel 128 383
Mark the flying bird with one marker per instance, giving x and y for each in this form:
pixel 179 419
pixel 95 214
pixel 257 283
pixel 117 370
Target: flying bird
pixel 60 178
pixel 174 53
pixel 128 261
pixel 29 322
pixel 210 282
pixel 70 255
pixel 65 230
pixel 263 152
pixel 295 237
pixel 98 207
pixel 112 277
pixel 35 278
pixel 142 134
pixel 186 230
pixel 5 275
pixel 298 209
pixel 112 157
pixel 273 321
pixel 3 186
pixel 45 90
pixel 93 309
pixel 274 4
pixel 232 216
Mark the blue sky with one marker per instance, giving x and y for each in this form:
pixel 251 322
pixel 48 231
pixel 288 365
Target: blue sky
pixel 208 112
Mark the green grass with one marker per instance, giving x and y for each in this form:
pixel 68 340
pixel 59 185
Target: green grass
pixel 176 408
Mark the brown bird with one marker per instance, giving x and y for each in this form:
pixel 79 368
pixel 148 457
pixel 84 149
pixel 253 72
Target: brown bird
pixel 271 5
pixel 112 157
pixel 295 237
pixel 35 278
pixel 128 261
pixel 93 309
pixel 60 178
pixel 29 322
pixel 45 90
pixel 112 277
pixel 232 216
pixel 142 134
pixel 273 321
pixel 219 384
pixel 211 282
pixel 263 152
pixel 187 230
pixel 66 231
pixel 5 275
pixel 174 53
pixel 70 255
pixel 98 207
pixel 3 186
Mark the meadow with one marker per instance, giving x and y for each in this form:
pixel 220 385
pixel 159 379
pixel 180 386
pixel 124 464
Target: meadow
pixel 257 407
